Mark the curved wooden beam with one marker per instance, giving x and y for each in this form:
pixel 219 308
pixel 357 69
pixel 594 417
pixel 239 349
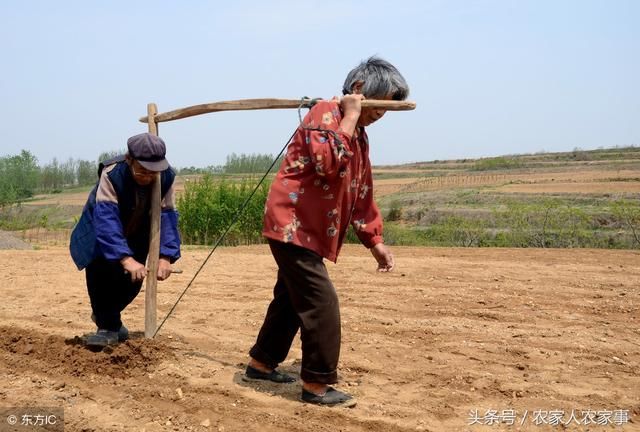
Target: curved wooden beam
pixel 257 104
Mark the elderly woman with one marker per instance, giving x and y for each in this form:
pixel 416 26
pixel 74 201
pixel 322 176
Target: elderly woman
pixel 323 185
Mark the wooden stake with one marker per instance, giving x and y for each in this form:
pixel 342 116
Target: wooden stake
pixel 151 290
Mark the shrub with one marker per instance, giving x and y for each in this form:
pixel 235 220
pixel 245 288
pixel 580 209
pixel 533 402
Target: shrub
pixel 496 164
pixel 208 206
pixel 628 212
pixel 395 212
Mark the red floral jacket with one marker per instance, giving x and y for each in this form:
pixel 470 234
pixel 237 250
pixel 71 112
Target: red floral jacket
pixel 323 184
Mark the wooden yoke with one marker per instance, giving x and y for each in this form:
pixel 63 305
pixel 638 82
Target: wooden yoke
pixel 259 104
pixel 153 118
pixel 151 289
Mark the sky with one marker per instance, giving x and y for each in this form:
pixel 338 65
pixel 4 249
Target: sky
pixel 490 77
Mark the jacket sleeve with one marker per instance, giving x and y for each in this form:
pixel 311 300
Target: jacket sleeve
pixel 329 146
pixel 169 236
pixel 367 220
pixel 107 223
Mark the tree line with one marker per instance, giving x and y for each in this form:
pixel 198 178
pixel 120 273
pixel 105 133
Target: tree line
pixel 21 176
pixel 237 164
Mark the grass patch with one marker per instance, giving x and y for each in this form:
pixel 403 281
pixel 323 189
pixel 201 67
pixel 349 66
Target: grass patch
pixel 18 217
pixel 542 222
pixel 497 163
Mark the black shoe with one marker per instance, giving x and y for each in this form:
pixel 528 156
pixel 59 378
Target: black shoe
pixel 332 397
pixel 102 338
pixel 253 374
pixel 123 333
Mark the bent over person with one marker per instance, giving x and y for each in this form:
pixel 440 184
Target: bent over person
pixel 111 239
pixel 323 185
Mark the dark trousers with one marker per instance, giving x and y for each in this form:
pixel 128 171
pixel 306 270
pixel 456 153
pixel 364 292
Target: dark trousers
pixel 110 291
pixel 303 298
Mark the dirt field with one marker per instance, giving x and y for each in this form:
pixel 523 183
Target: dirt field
pixel 585 181
pixel 452 332
pixel 572 188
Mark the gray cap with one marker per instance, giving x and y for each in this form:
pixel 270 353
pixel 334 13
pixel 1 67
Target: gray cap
pixel 149 150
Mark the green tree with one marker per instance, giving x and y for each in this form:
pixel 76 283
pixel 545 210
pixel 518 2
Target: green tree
pixel 51 178
pixel 68 172
pixel 18 177
pixel 249 163
pixel 110 155
pixel 86 173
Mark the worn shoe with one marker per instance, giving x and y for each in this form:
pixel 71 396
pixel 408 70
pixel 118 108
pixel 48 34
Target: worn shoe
pixel 123 333
pixel 253 374
pixel 332 397
pixel 102 338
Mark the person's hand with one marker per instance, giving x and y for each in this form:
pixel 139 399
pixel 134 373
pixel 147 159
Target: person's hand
pixel 136 270
pixel 164 269
pixel 351 108
pixel 352 105
pixel 383 256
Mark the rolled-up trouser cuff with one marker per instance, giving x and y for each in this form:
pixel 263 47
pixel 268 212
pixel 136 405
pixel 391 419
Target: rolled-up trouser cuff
pixel 319 377
pixel 258 354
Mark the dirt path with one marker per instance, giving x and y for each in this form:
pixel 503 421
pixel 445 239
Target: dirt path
pixel 451 332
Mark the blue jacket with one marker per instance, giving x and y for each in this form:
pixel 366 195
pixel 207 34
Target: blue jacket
pixel 115 220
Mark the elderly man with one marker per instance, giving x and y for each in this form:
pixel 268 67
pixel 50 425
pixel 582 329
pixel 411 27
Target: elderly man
pixel 111 240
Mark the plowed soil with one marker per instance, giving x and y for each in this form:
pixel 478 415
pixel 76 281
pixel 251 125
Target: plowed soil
pixel 450 333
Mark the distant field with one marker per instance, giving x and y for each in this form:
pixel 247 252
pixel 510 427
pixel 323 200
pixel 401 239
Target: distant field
pixel 614 187
pixel 587 181
pixel 468 202
pixel 534 200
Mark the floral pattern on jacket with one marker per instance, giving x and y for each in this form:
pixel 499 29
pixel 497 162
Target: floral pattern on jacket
pixel 323 185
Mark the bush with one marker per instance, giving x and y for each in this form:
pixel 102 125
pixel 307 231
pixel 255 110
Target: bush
pixel 462 231
pixel 208 206
pixel 396 234
pixel 550 223
pixel 496 164
pixel 395 212
pixel 628 213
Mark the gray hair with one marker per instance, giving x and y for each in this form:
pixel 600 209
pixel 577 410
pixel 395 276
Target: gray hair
pixel 380 79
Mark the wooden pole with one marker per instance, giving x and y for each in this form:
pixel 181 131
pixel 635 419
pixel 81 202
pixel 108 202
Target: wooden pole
pixel 260 104
pixel 151 290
